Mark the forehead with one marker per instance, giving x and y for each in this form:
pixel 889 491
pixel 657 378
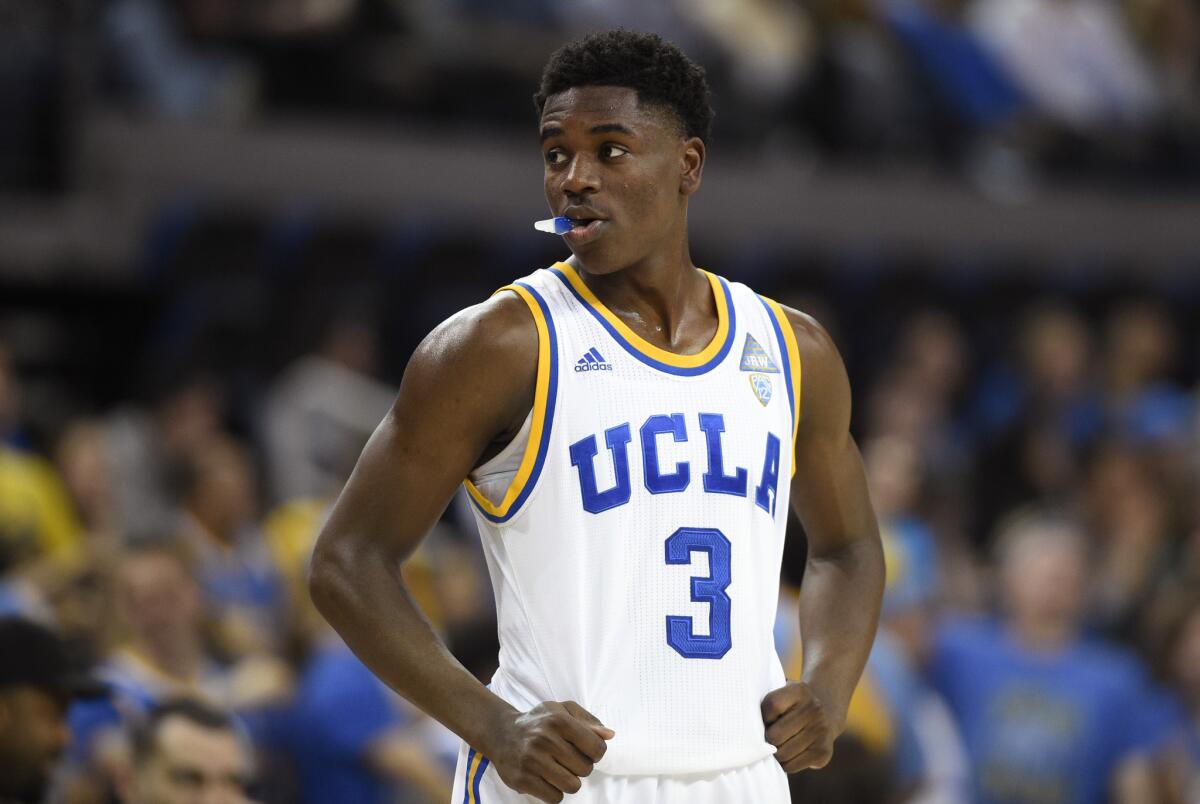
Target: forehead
pixel 595 105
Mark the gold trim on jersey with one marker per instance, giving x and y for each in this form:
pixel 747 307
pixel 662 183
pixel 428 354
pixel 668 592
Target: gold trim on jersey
pixel 641 344
pixel 793 358
pixel 538 424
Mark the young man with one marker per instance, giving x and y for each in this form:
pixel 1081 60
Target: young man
pixel 632 429
pixel 188 751
pixel 37 682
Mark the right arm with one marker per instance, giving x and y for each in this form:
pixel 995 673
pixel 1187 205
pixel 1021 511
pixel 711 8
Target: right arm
pixel 468 386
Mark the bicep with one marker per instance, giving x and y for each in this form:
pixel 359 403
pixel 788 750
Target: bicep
pixel 829 487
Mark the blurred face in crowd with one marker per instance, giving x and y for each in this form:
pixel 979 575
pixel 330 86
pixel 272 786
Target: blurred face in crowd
pixel 33 735
pixel 894 474
pixel 224 492
pixel 933 352
pixel 189 417
pixel 83 460
pixel 1043 580
pixel 1057 350
pixel 159 600
pixel 626 165
pixel 1141 345
pixel 192 764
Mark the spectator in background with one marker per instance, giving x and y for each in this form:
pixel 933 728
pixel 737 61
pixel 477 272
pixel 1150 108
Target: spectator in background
pixel 37 682
pixel 85 465
pixel 353 739
pixel 240 580
pixel 188 752
pixel 1143 402
pixel 162 656
pixel 1035 413
pixel 157 70
pixel 39 533
pixel 1179 659
pixel 321 411
pixel 1128 510
pixel 1074 58
pixel 148 449
pixel 1046 715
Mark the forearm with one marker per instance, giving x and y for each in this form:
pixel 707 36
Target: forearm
pixel 839 612
pixel 364 598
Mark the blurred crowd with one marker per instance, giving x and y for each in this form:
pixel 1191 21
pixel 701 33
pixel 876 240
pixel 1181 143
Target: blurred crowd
pixel 1031 443
pixel 1006 92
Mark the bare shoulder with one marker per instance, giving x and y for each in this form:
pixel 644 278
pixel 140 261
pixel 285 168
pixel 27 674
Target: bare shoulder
pixel 497 336
pixel 817 351
pixel 477 367
pixel 498 329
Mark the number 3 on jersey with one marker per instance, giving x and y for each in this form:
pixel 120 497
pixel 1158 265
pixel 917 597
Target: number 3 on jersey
pixel 707 589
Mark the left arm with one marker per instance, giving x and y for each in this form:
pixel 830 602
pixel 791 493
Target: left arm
pixel 844 577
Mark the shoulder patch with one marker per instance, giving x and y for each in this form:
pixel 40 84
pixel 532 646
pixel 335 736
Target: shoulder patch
pixel 756 358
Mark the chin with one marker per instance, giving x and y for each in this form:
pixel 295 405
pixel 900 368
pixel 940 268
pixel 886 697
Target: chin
pixel 595 259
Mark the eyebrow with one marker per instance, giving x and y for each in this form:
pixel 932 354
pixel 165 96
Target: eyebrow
pixel 602 128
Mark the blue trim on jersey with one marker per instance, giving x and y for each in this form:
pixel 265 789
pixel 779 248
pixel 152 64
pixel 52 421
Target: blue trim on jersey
pixel 483 764
pixel 467 777
pixel 471 780
pixel 783 356
pixel 547 425
pixel 650 361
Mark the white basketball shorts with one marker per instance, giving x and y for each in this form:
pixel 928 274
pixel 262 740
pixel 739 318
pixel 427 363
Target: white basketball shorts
pixel 762 782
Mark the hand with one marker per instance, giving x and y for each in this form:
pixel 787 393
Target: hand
pixel 546 751
pixel 798 727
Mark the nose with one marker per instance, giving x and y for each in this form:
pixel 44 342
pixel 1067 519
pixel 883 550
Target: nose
pixel 581 176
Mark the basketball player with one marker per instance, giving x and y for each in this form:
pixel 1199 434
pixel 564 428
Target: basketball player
pixel 631 429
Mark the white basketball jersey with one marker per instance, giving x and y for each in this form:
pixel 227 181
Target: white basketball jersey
pixel 635 552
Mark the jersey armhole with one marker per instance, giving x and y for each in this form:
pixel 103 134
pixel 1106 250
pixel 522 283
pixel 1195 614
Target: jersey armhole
pixel 545 393
pixel 788 349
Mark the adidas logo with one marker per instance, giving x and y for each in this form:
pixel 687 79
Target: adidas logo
pixel 592 361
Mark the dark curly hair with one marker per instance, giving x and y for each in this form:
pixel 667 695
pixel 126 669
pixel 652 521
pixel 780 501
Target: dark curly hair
pixel 656 69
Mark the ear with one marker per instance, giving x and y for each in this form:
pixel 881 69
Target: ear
pixel 691 165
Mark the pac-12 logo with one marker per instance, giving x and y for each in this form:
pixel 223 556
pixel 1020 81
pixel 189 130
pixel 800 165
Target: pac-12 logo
pixel 592 361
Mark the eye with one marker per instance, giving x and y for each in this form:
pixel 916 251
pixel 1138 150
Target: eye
pixel 555 156
pixel 611 151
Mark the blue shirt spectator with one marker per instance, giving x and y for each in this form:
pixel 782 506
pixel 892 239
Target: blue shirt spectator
pixel 342 720
pixel 1043 728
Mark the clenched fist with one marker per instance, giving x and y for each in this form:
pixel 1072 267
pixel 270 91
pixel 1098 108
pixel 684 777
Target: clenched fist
pixel 798 727
pixel 546 751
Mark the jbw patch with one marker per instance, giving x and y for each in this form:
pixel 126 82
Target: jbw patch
pixel 761 385
pixel 755 358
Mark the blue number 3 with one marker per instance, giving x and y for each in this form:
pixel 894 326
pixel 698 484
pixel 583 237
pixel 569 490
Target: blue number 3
pixel 708 589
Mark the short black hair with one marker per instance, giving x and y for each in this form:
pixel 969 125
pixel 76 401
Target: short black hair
pixel 656 69
pixel 193 710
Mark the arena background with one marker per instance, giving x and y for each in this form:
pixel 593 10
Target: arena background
pixel 225 225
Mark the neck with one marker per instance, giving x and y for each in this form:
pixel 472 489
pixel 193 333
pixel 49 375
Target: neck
pixel 1042 636
pixel 655 295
